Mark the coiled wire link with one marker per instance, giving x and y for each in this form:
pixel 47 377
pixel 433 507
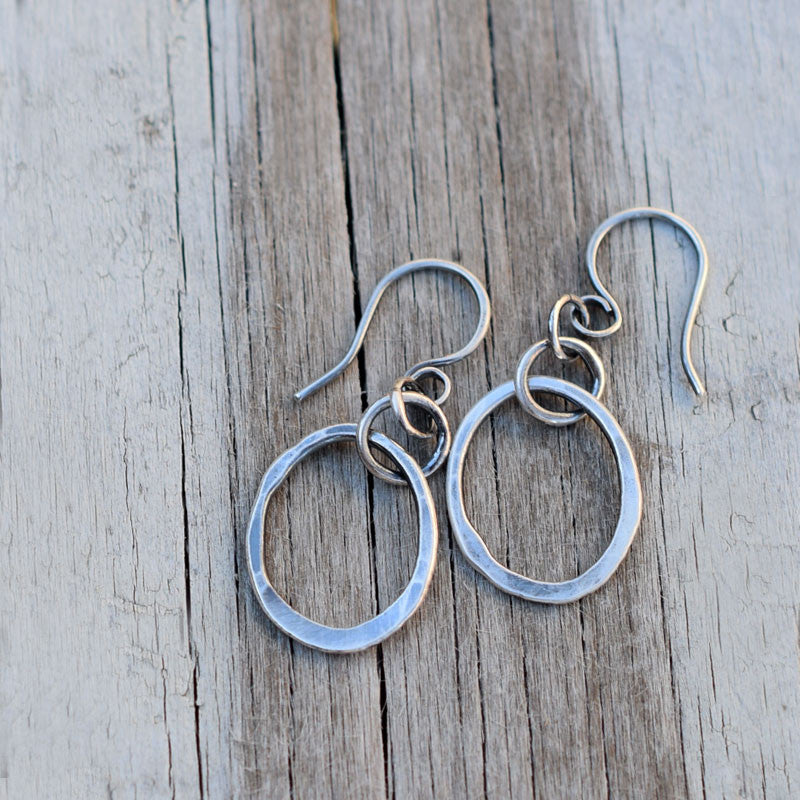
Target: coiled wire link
pixel 407 391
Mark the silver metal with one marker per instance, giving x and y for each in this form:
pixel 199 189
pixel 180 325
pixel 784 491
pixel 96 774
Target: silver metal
pixel 613 307
pixel 484 313
pixel 358 637
pixel 553 322
pixel 420 373
pixel 578 347
pixel 363 437
pixel 587 299
pixel 402 385
pixel 470 542
pixel 407 382
pixel 474 548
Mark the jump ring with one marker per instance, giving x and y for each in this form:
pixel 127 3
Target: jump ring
pixel 434 372
pixel 610 307
pixel 410 382
pixel 589 357
pixel 416 399
pixel 400 388
pixel 553 323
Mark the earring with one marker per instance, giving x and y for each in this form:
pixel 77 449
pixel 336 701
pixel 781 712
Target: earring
pixel 472 545
pixel 406 390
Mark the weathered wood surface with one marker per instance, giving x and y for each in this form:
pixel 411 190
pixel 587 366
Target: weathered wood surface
pixel 196 201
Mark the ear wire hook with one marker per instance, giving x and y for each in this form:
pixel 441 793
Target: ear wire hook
pixel 605 297
pixel 484 314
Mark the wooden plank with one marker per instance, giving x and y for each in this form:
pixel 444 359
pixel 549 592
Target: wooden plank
pixel 414 194
pixel 730 587
pixel 500 685
pixel 97 664
pixel 306 720
pixel 199 198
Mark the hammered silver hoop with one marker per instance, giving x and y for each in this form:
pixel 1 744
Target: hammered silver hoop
pixel 473 546
pixel 293 623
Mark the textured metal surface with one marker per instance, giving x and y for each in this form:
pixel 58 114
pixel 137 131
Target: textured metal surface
pixel 474 548
pixel 366 634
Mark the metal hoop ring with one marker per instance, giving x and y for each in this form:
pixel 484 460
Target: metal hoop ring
pixel 357 637
pixel 474 548
pixel 558 419
pixel 363 437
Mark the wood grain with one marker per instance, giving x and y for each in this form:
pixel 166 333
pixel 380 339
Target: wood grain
pixel 197 199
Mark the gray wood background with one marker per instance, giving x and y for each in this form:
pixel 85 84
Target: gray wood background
pixel 197 198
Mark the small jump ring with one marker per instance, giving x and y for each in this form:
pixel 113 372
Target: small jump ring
pixel 400 388
pixel 410 382
pixel 434 372
pixel 553 323
pixel 582 326
pixel 416 399
pixel 557 418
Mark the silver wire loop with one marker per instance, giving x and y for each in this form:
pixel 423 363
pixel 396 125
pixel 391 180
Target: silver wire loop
pixel 484 313
pixel 590 299
pixel 366 634
pixel 578 306
pixel 420 373
pixel 411 383
pixel 558 419
pixel 401 386
pixel 592 247
pixel 474 547
pixel 443 442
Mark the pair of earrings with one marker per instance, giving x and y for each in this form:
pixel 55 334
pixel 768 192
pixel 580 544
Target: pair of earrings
pixel 406 391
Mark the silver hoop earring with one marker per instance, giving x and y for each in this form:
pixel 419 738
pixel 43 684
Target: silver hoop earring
pixel 406 390
pixel 472 545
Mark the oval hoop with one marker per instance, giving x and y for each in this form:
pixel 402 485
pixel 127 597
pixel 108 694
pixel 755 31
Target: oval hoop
pixel 366 634
pixel 474 548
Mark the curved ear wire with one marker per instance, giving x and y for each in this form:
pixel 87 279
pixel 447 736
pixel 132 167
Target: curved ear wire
pixel 699 286
pixel 484 313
